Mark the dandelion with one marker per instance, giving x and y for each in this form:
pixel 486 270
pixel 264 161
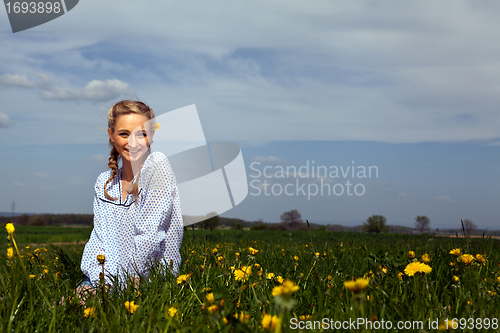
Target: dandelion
pixel 317 254
pixel 492 293
pixel 220 258
pixel 45 271
pixel 270 322
pixel 480 259
pixel 10 228
pixel 270 276
pixel 252 251
pixel 411 254
pixel 172 311
pixel 89 312
pixel 498 279
pixel 214 251
pixel 242 316
pixel 455 279
pixel 206 289
pixel 467 259
pixel 417 267
pixel 280 279
pixel 210 298
pixel 295 258
pixel 101 259
pixel 356 285
pixel 446 325
pixel 456 252
pixel 286 289
pixel 426 258
pixel 237 254
pixel 32 276
pixel 131 307
pixel 213 308
pixel 183 278
pixel 242 274
pixel 306 317
pixel 10 253
pixel 384 270
pixel 329 277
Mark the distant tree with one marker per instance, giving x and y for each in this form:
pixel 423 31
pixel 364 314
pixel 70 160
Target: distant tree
pixel 238 225
pixel 36 221
pixel 212 221
pixel 422 224
pixel 375 223
pixel 469 226
pixel 292 219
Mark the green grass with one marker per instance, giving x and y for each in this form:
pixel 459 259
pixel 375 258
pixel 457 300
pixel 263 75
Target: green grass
pixel 325 260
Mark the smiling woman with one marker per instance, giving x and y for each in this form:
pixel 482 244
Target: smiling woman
pixel 137 215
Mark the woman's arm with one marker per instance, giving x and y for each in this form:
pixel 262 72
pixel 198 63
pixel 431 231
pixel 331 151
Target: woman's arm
pixel 94 246
pixel 159 226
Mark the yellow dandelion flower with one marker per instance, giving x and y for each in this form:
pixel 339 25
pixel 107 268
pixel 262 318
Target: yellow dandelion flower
pixel 411 254
pixel 214 251
pixel 242 316
pixel 210 298
pixel 417 267
pixel 400 275
pixel 446 325
pixel 156 126
pixel 455 279
pixel 306 317
pixel 426 258
pixel 467 259
pixel 257 265
pixel 270 322
pixel 172 311
pixel 286 289
pixel 295 258
pixel 356 285
pixel 384 270
pixel 45 271
pixel 491 293
pixel 183 278
pixel 101 258
pixel 10 228
pixel 220 258
pixel 213 308
pixel 456 252
pixel 498 279
pixel 480 259
pixel 131 307
pixel 270 276
pixel 329 277
pixel 237 254
pixel 317 254
pixel 225 320
pixel 32 276
pixel 453 263
pixel 10 253
pixel 89 312
pixel 253 251
pixel 280 279
pixel 242 274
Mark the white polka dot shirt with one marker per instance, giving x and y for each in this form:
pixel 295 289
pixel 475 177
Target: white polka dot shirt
pixel 132 234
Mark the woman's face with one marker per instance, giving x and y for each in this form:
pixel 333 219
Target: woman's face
pixel 130 137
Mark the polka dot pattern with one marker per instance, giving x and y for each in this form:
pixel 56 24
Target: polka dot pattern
pixel 132 234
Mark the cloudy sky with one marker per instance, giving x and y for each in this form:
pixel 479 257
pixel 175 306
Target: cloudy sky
pixel 410 87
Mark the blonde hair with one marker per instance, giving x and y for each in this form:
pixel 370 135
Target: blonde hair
pixel 122 108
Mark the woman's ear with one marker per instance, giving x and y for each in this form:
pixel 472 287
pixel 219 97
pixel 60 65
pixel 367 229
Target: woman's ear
pixel 110 133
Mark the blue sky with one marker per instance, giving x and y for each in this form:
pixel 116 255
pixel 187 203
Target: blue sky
pixel 412 87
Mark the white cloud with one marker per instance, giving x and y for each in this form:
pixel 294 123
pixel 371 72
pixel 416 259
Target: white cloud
pixel 96 90
pixel 273 160
pixel 41 174
pixel 4 120
pixel 446 198
pixel 15 80
pixel 15 182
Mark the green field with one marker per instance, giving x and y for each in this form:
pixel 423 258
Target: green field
pixel 223 287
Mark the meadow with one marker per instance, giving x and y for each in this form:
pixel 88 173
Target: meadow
pixel 260 281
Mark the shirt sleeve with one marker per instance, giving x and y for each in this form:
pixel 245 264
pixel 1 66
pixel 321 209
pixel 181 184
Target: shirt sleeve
pixel 158 225
pixel 94 246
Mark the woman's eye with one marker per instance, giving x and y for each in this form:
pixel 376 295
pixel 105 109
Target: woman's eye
pixel 141 135
pixel 123 134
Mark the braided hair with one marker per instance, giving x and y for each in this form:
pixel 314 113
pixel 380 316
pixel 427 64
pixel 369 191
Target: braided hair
pixel 122 108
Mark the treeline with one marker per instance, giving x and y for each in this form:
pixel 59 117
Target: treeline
pixel 50 219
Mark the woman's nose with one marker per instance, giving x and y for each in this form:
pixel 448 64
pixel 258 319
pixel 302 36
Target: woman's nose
pixel 132 141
